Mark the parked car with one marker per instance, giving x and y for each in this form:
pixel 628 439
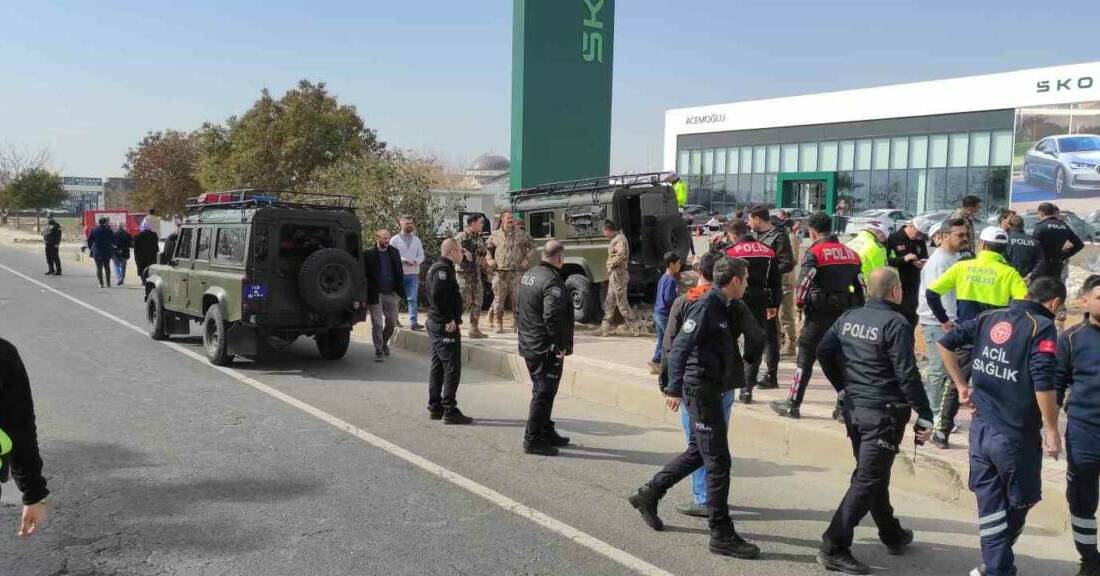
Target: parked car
pixel 1065 163
pixel 889 218
pixel 695 214
pixel 927 221
pixel 1093 219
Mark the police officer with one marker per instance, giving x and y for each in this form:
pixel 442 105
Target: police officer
pixel 509 247
pixel 778 240
pixel 469 272
pixel 1012 389
pixel 1023 252
pixel 697 362
pixel 983 283
pixel 679 188
pixel 52 238
pixel 618 277
pixel 830 284
pixel 1056 240
pixel 763 295
pixel 1078 369
pixel 868 355
pixel 444 337
pixel 868 244
pixel 17 422
pixel 544 313
pixel 907 251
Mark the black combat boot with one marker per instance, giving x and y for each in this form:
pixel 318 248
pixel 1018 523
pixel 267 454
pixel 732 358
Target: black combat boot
pixel 455 416
pixel 551 436
pixel 727 542
pixel 897 546
pixel 645 502
pixel 841 561
pixel 785 408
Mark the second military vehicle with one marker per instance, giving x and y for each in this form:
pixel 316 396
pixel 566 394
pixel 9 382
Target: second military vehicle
pixel 644 207
pixel 258 267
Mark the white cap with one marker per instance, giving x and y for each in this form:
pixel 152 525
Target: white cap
pixel 994 234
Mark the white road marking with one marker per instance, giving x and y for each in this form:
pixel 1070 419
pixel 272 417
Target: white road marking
pixel 580 537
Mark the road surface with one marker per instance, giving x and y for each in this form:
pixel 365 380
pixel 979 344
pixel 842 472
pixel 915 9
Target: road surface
pixel 162 464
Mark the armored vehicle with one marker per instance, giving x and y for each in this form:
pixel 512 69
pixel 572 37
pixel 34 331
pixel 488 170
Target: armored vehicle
pixel 258 267
pixel 642 205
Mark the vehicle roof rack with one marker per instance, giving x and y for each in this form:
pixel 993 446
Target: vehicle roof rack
pixel 243 198
pixel 591 184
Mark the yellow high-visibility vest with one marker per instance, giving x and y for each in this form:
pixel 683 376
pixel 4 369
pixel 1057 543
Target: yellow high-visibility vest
pixel 681 189
pixel 5 443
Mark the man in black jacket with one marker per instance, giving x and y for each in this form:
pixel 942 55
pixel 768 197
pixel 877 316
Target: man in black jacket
pixel 146 246
pixel 868 355
pixel 763 297
pixel 445 341
pixel 698 371
pixel 907 251
pixel 1057 241
pixel 778 239
pixel 385 289
pixel 1023 252
pixel 120 255
pixel 52 239
pixel 17 421
pixel 545 316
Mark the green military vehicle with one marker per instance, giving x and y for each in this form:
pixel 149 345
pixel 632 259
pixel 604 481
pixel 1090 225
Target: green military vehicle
pixel 644 207
pixel 260 268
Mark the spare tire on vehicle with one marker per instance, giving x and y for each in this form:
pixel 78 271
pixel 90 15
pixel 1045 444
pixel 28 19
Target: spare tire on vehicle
pixel 330 280
pixel 674 236
pixel 585 298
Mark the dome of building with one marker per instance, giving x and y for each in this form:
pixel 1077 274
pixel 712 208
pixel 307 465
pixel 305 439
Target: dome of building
pixel 491 162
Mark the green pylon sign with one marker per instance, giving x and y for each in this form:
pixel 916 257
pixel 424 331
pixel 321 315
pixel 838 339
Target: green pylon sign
pixel 561 90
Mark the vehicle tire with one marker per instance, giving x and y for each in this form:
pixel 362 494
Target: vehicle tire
pixel 585 298
pixel 154 315
pixel 1060 184
pixel 333 344
pixel 214 339
pixel 1028 178
pixel 674 236
pixel 330 280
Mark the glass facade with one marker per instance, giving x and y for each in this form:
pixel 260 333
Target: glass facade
pixel 915 164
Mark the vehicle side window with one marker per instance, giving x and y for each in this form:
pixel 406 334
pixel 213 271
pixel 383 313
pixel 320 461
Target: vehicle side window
pixel 540 224
pixel 183 244
pixel 202 244
pixel 230 245
pixel 1046 146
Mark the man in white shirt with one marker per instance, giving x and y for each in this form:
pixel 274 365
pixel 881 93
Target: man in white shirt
pixel 952 236
pixel 412 255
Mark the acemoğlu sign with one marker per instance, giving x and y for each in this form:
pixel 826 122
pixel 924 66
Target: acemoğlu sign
pixel 561 90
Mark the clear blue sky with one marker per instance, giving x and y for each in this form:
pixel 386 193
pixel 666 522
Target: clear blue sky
pixel 88 79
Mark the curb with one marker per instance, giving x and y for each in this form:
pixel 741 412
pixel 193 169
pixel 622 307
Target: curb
pixel 811 442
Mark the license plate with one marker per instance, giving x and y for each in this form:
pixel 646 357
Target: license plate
pixel 256 292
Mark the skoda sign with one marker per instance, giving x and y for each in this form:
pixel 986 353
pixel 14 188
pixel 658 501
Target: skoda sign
pixel 1063 84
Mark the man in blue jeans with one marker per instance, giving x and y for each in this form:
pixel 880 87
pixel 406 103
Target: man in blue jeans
pixel 666 293
pixel 412 256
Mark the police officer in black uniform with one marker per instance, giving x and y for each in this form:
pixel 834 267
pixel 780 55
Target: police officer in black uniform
pixel 444 338
pixel 697 366
pixel 1023 252
pixel 868 354
pixel 763 296
pixel 1058 242
pixel 545 315
pixel 24 463
pixel 830 283
pixel 52 239
pixel 778 239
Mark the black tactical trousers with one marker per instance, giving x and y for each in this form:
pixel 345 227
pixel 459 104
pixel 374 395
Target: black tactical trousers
pixel 708 447
pixel 446 370
pixel 53 258
pixel 545 373
pixel 813 331
pixel 103 271
pixel 771 350
pixel 875 435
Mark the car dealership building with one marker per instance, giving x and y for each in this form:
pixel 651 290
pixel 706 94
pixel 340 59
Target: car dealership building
pixel 917 147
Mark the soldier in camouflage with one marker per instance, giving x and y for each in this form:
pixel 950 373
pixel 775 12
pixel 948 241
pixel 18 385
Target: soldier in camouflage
pixel 618 276
pixel 509 250
pixel 469 271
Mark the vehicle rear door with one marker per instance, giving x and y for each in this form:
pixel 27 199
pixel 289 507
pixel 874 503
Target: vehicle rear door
pixel 200 269
pixel 176 280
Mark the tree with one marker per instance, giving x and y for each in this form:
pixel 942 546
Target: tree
pixel 15 162
pixel 163 166
pixel 281 143
pixel 36 189
pixel 387 186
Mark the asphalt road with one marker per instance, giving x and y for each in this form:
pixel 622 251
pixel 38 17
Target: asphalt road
pixel 161 464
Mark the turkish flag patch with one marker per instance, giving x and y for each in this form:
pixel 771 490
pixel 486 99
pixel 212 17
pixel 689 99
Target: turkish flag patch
pixel 1048 347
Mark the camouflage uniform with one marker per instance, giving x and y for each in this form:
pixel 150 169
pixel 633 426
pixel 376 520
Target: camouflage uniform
pixel 469 275
pixel 788 321
pixel 618 276
pixel 509 253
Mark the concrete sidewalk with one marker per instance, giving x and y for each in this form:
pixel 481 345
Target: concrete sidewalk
pixel 613 371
